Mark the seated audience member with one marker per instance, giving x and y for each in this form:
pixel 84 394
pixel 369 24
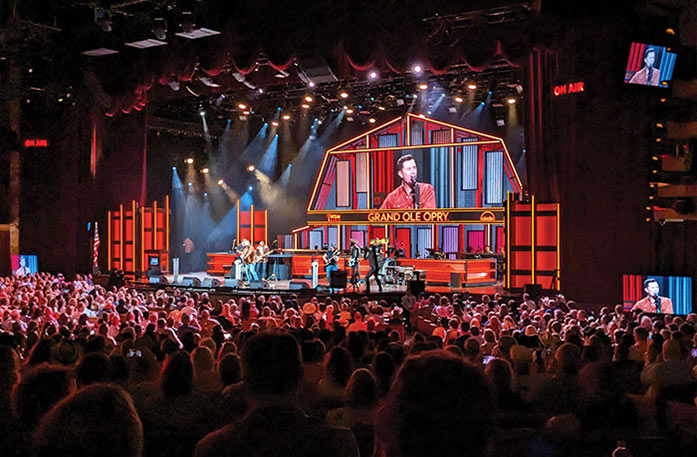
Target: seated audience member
pixel 93 368
pixel 337 372
pixel 98 420
pixel 438 406
pixel 36 393
pixel 673 371
pixel 206 379
pixel 560 394
pixel 230 369
pixel 9 375
pixel 359 410
pixel 275 425
pixel 500 375
pixel 175 417
pixel 383 368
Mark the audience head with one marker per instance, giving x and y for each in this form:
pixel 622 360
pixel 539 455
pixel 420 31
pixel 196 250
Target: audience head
pixel 98 420
pixel 38 390
pixel 361 390
pixel 271 366
pixel 230 369
pixel 177 375
pixel 438 405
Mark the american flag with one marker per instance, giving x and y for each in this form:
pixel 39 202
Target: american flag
pixel 95 250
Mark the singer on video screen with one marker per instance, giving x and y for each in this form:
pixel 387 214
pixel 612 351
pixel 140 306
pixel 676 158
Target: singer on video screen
pixel 410 194
pixel 653 303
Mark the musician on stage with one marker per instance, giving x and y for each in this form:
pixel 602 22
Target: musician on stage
pixel 330 263
pixel 354 263
pixel 372 255
pixel 249 258
pixel 262 259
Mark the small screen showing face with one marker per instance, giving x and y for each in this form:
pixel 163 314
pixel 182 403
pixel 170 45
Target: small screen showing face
pixel 649 65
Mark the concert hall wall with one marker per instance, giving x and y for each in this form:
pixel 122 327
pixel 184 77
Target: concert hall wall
pixel 591 154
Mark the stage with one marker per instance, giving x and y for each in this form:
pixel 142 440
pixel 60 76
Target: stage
pixel 302 285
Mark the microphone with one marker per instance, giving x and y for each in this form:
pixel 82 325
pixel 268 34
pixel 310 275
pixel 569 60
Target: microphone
pixel 658 304
pixel 416 195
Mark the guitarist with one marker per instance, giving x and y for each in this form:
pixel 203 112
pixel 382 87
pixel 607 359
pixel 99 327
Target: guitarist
pixel 354 263
pixel 330 263
pixel 262 259
pixel 249 258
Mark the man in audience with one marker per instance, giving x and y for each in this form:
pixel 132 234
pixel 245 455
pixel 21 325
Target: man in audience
pixel 275 425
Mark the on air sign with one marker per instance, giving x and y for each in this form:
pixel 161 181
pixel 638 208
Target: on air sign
pixel 570 88
pixel 35 143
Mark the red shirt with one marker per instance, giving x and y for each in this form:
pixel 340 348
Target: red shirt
pixel 400 199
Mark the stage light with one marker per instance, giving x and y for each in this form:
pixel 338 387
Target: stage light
pixel 381 108
pixel 246 113
pixel 305 106
pixel 205 194
pixel 372 120
pixel 251 168
pixel 189 160
pixel 373 75
pixel 343 94
pixel 190 184
pixel 349 111
pixel 659 125
pixel 202 113
pixel 670 31
pixel 459 99
pixel 242 106
pixel 651 197
pixel 205 171
pixel 250 188
pixel 286 117
pixel 656 158
pixel 311 84
pixel 417 69
pixel 309 99
pixel 174 168
pixel 648 219
pixel 472 86
pixel 423 86
pixel 663 99
pixel 274 123
pixel 511 101
pixel 221 182
pixel 658 140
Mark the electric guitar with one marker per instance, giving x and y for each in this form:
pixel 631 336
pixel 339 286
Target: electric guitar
pixel 329 260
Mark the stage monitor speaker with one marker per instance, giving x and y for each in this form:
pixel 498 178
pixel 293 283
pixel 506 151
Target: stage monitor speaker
pixel 298 285
pixel 190 281
pixel 229 282
pixel 210 282
pixel 534 290
pixel 417 287
pixel 338 279
pixel 259 284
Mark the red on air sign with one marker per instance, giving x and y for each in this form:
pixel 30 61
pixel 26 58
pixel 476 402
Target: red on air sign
pixel 36 143
pixel 570 88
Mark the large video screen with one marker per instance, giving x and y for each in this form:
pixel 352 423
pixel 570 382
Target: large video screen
pixel 649 65
pixel 658 294
pixel 24 265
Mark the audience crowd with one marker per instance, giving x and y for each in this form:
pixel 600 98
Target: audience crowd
pixel 91 371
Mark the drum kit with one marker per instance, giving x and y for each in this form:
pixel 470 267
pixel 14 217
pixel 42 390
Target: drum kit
pixel 389 271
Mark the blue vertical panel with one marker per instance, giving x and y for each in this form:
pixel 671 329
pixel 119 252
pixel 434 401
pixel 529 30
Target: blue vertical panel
pixel 362 201
pixel 449 240
pixel 494 178
pixel 316 237
pixel 417 133
pixel 469 164
pixel 679 290
pixel 332 236
pixel 423 241
pixel 288 241
pixel 388 140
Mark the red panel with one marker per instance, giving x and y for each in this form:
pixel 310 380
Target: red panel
pixel 546 230
pixel 520 281
pixel 378 232
pixel 545 260
pixel 403 240
pixel 245 233
pixel 245 218
pixel 521 260
pixel 522 235
pixel 259 234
